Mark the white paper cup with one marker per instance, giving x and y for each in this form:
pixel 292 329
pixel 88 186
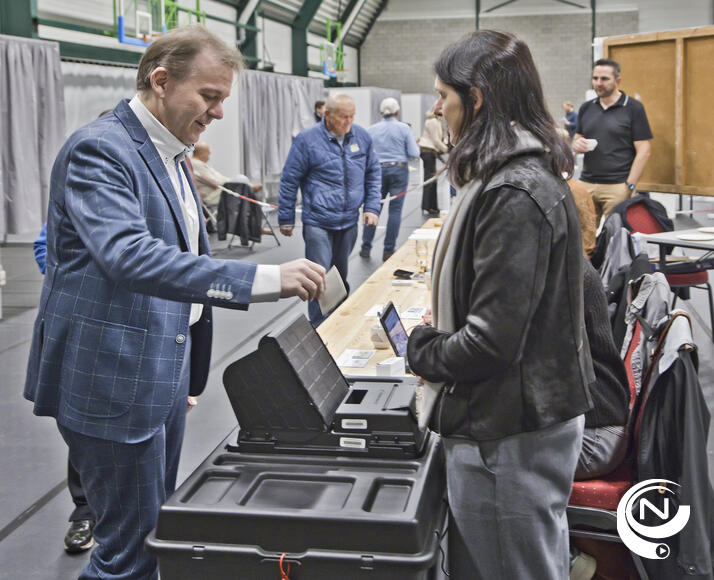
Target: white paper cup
pixel 378 336
pixel 592 143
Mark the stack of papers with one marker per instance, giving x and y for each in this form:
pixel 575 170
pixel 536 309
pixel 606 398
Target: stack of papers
pixel 425 234
pixel 411 313
pixel 352 357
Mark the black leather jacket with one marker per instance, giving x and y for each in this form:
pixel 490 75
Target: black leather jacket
pixel 520 359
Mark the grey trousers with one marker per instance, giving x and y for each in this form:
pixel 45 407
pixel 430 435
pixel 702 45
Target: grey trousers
pixel 507 501
pixel 603 450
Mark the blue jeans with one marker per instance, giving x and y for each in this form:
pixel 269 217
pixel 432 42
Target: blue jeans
pixel 328 248
pixel 125 485
pixel 395 179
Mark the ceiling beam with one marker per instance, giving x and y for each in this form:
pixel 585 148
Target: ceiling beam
pixel 299 35
pixel 247 10
pixel 18 18
pixel 351 17
pixel 501 5
pixel 382 6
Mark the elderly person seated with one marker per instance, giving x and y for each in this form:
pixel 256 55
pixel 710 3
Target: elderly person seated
pixel 209 180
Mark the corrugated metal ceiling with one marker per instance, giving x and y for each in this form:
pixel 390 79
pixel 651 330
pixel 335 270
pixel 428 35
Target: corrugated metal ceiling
pixel 285 11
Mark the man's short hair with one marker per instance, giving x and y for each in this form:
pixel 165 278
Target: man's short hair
pixel 176 50
pixel 609 62
pixel 333 101
pixel 319 104
pixel 389 107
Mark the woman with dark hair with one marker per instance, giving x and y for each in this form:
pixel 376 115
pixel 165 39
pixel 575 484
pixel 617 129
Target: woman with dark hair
pixel 507 352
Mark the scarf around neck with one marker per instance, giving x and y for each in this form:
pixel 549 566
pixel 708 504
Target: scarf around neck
pixel 443 309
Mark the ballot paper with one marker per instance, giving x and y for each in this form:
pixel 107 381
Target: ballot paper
pixel 354 358
pixel 334 293
pixel 375 311
pixel 413 313
pixel 425 234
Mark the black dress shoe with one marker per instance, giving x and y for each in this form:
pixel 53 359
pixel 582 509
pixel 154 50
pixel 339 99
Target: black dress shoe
pixel 79 537
pixel 386 256
pixel 363 254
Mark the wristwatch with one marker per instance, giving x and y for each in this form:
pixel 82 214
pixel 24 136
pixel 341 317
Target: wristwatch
pixel 630 186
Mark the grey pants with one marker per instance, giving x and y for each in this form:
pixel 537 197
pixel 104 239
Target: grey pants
pixel 603 450
pixel 507 501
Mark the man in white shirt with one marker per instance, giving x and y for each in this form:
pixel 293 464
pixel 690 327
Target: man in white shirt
pixel 123 333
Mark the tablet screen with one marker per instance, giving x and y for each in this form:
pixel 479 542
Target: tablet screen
pixel 395 330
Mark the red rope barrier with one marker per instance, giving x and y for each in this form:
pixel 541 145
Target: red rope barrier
pixel 284 573
pixel 273 206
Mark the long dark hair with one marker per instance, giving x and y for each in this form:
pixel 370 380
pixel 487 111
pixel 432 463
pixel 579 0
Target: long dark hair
pixel 502 68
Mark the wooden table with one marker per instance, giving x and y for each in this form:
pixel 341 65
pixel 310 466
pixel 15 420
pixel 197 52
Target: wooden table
pixel 347 326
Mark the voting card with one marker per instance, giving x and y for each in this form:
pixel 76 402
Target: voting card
pixel 335 291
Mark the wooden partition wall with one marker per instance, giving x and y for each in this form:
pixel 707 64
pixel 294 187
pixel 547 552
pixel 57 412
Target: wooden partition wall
pixel 672 73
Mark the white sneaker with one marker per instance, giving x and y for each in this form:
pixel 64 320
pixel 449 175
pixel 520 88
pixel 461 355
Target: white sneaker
pixel 582 565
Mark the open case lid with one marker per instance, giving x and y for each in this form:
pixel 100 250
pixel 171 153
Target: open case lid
pixel 291 382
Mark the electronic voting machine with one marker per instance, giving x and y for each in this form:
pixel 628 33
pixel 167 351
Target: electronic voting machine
pixel 290 397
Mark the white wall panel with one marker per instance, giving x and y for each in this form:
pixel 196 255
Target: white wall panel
pixel 277 39
pixel 100 14
pixel 90 89
pixel 351 64
pixel 363 103
pixel 89 12
pixel 223 137
pixel 411 112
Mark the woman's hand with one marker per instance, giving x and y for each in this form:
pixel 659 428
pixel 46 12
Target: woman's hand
pixel 427 318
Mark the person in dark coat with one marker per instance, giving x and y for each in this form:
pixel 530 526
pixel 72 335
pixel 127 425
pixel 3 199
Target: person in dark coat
pixel 507 354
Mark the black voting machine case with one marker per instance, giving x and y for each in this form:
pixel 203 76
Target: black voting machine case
pixel 290 492
pixel 327 517
pixel 290 397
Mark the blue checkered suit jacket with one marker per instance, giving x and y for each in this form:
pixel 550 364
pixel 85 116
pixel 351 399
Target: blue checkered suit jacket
pixel 110 335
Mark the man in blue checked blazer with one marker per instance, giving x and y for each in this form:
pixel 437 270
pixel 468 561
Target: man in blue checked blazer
pixel 123 332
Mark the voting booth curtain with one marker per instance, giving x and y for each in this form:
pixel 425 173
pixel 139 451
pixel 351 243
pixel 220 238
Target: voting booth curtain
pixel 32 130
pixel 274 108
pixel 90 89
pixel 378 95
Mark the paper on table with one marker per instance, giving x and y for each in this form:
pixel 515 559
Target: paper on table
pixel 413 313
pixel 425 234
pixel 354 358
pixel 375 311
pixel 334 293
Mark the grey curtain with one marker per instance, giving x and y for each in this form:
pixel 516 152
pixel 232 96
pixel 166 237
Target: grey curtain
pixel 274 108
pixel 90 89
pixel 427 102
pixel 31 128
pixel 378 95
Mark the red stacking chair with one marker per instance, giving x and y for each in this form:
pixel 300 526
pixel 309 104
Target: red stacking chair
pixel 592 509
pixel 680 275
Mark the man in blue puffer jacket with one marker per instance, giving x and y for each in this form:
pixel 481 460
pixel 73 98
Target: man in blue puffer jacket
pixel 336 168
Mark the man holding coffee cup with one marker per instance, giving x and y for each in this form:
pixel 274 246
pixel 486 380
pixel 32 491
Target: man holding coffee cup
pixel 613 133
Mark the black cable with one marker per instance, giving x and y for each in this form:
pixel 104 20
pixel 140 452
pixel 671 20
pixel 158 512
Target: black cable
pixel 443 554
pixel 441 550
